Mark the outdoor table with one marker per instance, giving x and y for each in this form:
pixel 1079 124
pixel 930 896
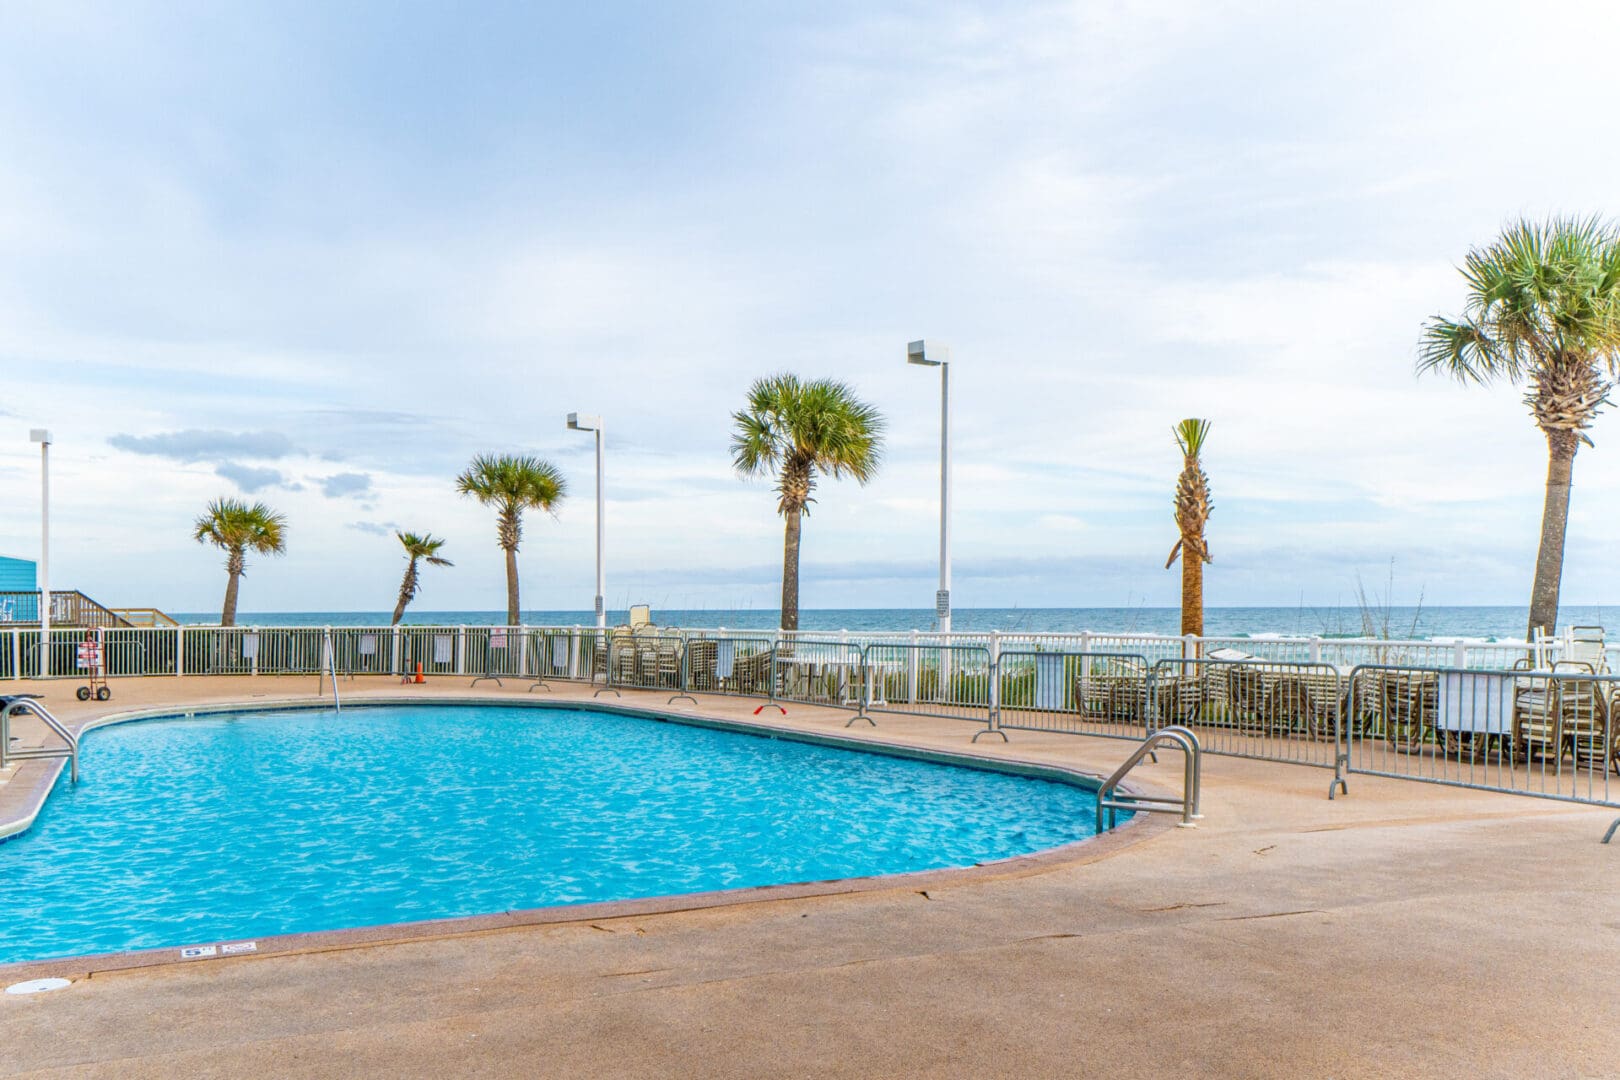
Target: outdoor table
pixel 802 671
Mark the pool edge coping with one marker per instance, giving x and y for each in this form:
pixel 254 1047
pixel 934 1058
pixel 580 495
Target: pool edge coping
pixel 1141 826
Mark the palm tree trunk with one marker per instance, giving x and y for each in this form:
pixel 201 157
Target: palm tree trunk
pixel 790 569
pixel 234 565
pixel 1192 592
pixel 511 587
pixel 407 589
pixel 227 615
pixel 1561 447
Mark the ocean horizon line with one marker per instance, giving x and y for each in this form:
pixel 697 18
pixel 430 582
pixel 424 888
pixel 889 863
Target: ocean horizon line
pixel 1484 622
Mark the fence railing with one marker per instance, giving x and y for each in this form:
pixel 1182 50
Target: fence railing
pixel 1084 693
pixel 1499 716
pixel 444 650
pixel 1550 733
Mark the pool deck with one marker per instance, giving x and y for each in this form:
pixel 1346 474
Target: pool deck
pixel 1404 930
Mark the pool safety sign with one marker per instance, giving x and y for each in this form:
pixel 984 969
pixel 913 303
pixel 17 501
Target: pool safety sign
pixel 203 952
pixel 89 654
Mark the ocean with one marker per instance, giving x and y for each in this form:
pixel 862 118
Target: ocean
pixel 1483 623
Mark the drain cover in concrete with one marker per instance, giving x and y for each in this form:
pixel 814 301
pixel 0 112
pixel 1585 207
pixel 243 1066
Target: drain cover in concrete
pixel 37 986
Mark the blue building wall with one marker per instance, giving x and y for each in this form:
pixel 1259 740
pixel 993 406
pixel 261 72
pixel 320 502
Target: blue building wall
pixel 17 575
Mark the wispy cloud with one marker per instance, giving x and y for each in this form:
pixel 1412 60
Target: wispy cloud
pixel 346 484
pixel 203 445
pixel 375 528
pixel 251 478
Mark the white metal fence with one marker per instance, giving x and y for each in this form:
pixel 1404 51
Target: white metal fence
pixel 520 651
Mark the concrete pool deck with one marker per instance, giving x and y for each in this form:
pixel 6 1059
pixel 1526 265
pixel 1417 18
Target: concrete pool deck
pixel 1404 930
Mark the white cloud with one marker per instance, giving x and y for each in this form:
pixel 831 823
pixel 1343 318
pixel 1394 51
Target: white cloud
pixel 1118 214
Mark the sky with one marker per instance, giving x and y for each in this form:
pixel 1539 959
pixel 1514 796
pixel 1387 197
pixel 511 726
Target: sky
pixel 321 254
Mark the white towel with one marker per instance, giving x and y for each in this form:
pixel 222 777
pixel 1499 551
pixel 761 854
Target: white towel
pixel 725 656
pixel 368 644
pixel 250 646
pixel 559 652
pixel 442 648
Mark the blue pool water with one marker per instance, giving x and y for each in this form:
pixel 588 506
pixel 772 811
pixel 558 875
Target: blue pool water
pixel 222 828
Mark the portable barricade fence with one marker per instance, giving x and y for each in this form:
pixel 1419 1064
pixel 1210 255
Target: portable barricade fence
pixel 950 681
pixel 1269 710
pixel 1084 693
pixel 737 665
pixel 363 650
pixel 644 661
pixel 438 650
pixel 550 654
pixel 1550 733
pixel 812 672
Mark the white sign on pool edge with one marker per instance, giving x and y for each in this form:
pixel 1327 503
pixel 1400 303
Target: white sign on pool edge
pixel 197 952
pixel 37 986
pixel 238 948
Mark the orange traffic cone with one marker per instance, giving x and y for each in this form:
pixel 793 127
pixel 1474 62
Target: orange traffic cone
pixel 420 678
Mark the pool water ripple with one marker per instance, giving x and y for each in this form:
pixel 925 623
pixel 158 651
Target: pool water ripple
pixel 254 824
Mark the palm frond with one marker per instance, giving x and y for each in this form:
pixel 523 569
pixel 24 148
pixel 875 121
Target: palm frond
pixel 795 427
pixel 235 525
pixel 513 482
pixel 423 546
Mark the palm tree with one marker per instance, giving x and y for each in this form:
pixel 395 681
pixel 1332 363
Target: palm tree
pixel 419 547
pixel 512 484
pixel 237 528
pixel 796 428
pixel 1543 308
pixel 1192 514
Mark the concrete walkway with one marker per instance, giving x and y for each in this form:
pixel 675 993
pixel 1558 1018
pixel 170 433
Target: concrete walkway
pixel 1407 930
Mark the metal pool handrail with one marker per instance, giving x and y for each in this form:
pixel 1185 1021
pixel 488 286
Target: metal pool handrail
pixel 331 667
pixel 1192 775
pixel 30 704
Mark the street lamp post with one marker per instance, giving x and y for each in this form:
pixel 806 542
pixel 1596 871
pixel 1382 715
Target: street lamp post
pixel 585 422
pixel 937 354
pixel 43 437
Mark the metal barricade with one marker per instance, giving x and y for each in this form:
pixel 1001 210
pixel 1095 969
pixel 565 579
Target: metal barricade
pixel 1084 693
pixel 363 650
pixel 494 653
pixel 736 665
pixel 1548 733
pixel 553 653
pixel 644 661
pixel 819 672
pixel 950 681
pixel 434 648
pixel 1269 710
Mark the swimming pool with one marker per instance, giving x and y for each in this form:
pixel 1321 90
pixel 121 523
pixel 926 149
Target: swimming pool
pixel 245 825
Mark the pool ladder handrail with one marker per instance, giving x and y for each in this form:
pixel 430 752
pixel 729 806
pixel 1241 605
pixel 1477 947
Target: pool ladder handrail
pixel 30 703
pixel 329 666
pixel 1186 741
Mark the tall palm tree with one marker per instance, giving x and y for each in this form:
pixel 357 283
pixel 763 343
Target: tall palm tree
pixel 1192 514
pixel 419 547
pixel 238 528
pixel 1543 308
pixel 512 483
pixel 797 428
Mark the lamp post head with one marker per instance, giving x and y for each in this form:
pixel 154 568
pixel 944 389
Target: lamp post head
pixel 40 435
pixel 584 422
pixel 928 353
